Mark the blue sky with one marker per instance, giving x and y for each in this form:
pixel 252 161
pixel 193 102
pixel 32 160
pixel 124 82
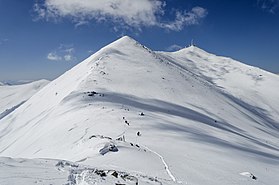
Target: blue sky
pixel 44 38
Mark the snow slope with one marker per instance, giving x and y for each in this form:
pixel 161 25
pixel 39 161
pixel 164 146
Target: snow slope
pixel 247 83
pixel 12 96
pixel 176 118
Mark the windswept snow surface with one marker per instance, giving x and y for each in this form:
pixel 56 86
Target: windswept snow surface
pixel 12 96
pixel 206 118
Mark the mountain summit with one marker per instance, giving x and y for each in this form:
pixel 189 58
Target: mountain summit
pixel 186 117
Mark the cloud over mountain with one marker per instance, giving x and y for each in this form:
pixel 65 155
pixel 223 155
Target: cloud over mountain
pixel 125 13
pixel 62 53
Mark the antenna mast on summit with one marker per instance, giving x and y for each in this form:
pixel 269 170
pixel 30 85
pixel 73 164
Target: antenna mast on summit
pixel 192 42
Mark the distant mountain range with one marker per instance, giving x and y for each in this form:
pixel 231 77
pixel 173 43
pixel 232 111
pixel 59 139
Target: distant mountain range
pixel 13 96
pixel 17 82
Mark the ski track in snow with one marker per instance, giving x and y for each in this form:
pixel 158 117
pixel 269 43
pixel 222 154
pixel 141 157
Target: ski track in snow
pixel 164 162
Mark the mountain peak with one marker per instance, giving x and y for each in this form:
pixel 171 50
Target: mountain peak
pixel 119 43
pixel 192 48
pixel 122 45
pixel 125 40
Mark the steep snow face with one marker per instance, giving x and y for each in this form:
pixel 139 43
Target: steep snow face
pixel 12 96
pixel 130 109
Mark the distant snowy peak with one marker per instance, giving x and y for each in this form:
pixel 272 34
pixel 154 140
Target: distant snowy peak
pixel 208 61
pixel 216 62
pixel 23 82
pixel 13 96
pixel 235 78
pixel 42 81
pixel 5 84
pixel 193 50
pixel 198 55
pixel 39 84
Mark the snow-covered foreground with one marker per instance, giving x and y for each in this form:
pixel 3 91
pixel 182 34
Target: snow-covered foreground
pixel 187 117
pixel 12 96
pixel 58 172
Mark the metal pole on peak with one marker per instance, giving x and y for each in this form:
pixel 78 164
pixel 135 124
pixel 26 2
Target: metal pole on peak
pixel 192 42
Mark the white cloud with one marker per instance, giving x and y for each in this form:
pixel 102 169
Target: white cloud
pixel 62 53
pixel 126 13
pixel 174 47
pixel 81 23
pixel 91 51
pixel 53 56
pixel 186 18
pixel 68 57
pixel 269 5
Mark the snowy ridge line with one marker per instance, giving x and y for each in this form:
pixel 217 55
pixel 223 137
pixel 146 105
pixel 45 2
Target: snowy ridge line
pixel 164 162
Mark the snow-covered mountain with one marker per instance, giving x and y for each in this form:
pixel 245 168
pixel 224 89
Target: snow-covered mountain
pixel 250 84
pixel 129 114
pixel 12 96
pixel 16 82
